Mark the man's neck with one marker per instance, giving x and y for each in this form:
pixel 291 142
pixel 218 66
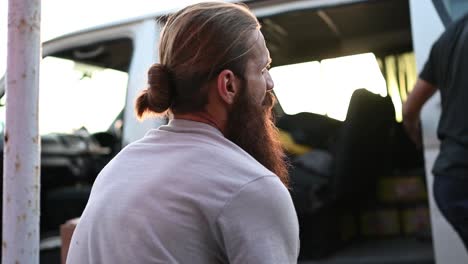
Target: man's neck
pixel 203 117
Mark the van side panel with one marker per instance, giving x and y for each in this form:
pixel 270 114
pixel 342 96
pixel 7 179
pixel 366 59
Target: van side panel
pixel 145 53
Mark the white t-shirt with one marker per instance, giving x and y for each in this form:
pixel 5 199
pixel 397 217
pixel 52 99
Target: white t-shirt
pixel 186 194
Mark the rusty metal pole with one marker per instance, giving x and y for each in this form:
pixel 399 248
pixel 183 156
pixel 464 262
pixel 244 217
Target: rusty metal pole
pixel 21 176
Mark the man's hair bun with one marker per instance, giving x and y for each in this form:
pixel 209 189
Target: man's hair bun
pixel 157 98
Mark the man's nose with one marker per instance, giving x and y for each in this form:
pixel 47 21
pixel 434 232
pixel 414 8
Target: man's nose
pixel 270 83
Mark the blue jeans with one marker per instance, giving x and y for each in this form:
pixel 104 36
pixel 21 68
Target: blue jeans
pixel 451 195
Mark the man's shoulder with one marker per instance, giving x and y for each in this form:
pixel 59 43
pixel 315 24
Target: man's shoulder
pixel 218 151
pixel 210 158
pixel 452 33
pixel 221 162
pixel 233 160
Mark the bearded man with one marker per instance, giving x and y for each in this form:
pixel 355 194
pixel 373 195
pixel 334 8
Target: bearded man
pixel 211 186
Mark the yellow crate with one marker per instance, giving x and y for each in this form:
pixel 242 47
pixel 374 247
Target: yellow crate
pixel 380 223
pixel 401 189
pixel 415 220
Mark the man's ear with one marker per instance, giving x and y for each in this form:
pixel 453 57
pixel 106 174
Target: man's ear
pixel 227 86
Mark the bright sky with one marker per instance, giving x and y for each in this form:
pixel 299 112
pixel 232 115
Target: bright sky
pixel 60 17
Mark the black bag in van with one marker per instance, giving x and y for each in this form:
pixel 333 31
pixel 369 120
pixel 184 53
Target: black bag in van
pixel 324 198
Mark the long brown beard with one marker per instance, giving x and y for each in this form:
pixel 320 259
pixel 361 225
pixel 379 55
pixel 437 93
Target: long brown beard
pixel 252 128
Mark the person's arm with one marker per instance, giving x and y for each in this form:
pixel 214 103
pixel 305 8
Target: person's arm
pixel 259 225
pixel 422 91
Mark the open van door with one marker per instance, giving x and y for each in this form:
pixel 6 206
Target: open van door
pixel 428 21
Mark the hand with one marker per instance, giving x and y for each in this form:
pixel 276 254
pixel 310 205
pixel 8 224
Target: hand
pixel 413 129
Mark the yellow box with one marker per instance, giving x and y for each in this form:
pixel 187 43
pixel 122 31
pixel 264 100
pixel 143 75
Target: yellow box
pixel 415 220
pixel 380 223
pixel 401 189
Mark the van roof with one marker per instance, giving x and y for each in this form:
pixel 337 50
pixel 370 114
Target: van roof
pixel 129 20
pixel 259 7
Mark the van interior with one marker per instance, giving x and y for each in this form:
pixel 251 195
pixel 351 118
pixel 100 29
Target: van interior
pixel 358 182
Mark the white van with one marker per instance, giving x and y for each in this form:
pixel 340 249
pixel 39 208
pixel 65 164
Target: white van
pixel 323 51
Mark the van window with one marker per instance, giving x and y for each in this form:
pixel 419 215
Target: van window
pixel 326 87
pixel 83 88
pixel 344 47
pixel 76 95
